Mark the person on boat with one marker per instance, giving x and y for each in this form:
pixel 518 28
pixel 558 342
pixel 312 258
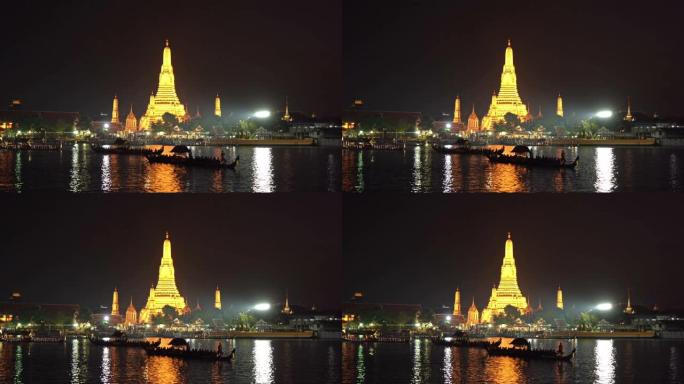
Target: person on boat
pixel 562 159
pixel 559 352
pixel 219 351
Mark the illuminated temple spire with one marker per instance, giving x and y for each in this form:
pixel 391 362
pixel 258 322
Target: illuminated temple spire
pixel 166 100
pixel 628 116
pixel 629 310
pixel 131 121
pixel 286 309
pixel 559 298
pixel 457 302
pixel 457 111
pixel 217 106
pixel 217 299
pixel 286 116
pixel 131 314
pixel 115 110
pixel 559 106
pixel 115 302
pixel 473 121
pixel 508 100
pixel 508 292
pixel 473 315
pixel 166 291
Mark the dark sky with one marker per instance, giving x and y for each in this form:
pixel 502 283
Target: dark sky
pixel 418 249
pixel 75 55
pixel 418 55
pixel 76 248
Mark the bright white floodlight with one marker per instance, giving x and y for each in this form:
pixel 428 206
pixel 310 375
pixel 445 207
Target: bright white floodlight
pixel 604 307
pixel 262 307
pixel 262 114
pixel 604 114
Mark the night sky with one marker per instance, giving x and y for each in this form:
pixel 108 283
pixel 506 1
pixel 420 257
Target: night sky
pixel 75 55
pixel 76 248
pixel 418 55
pixel 418 249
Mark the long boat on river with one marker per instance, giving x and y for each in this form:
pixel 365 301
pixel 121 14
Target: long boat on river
pixel 465 342
pixel 123 342
pixel 466 150
pixel 125 150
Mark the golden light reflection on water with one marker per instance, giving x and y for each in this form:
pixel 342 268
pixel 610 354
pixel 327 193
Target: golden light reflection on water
pixel 506 178
pixel 164 178
pixel 263 362
pixel 79 361
pixel 504 370
pixel 605 170
pixel 348 169
pixel 163 369
pixel 262 170
pixel 447 366
pixel 604 355
pixel 106 174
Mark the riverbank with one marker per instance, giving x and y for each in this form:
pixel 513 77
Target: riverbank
pixel 262 143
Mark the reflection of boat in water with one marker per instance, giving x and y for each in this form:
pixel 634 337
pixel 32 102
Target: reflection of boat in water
pixel 521 349
pixel 179 348
pixel 181 155
pixel 523 156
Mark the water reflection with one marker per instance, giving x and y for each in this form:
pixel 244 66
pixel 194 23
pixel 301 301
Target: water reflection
pixel 106 174
pixel 163 369
pixel 262 168
pixel 604 354
pixel 79 368
pixel 448 177
pixel 417 170
pixel 447 368
pixel 164 178
pixel 106 374
pixel 263 361
pixel 605 172
pixel 360 365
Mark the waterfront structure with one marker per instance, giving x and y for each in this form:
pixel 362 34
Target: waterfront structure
pixel 559 298
pixel 166 100
pixel 131 122
pixel 457 111
pixel 559 106
pixel 473 315
pixel 131 315
pixel 286 117
pixel 457 302
pixel 115 111
pixel 508 100
pixel 629 310
pixel 508 292
pixel 115 302
pixel 217 106
pixel 286 309
pixel 473 121
pixel 166 291
pixel 628 116
pixel 217 299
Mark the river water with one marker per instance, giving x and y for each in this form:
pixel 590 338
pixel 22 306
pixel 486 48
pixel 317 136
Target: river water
pixel 601 169
pixel 262 169
pixel 256 361
pixel 596 361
